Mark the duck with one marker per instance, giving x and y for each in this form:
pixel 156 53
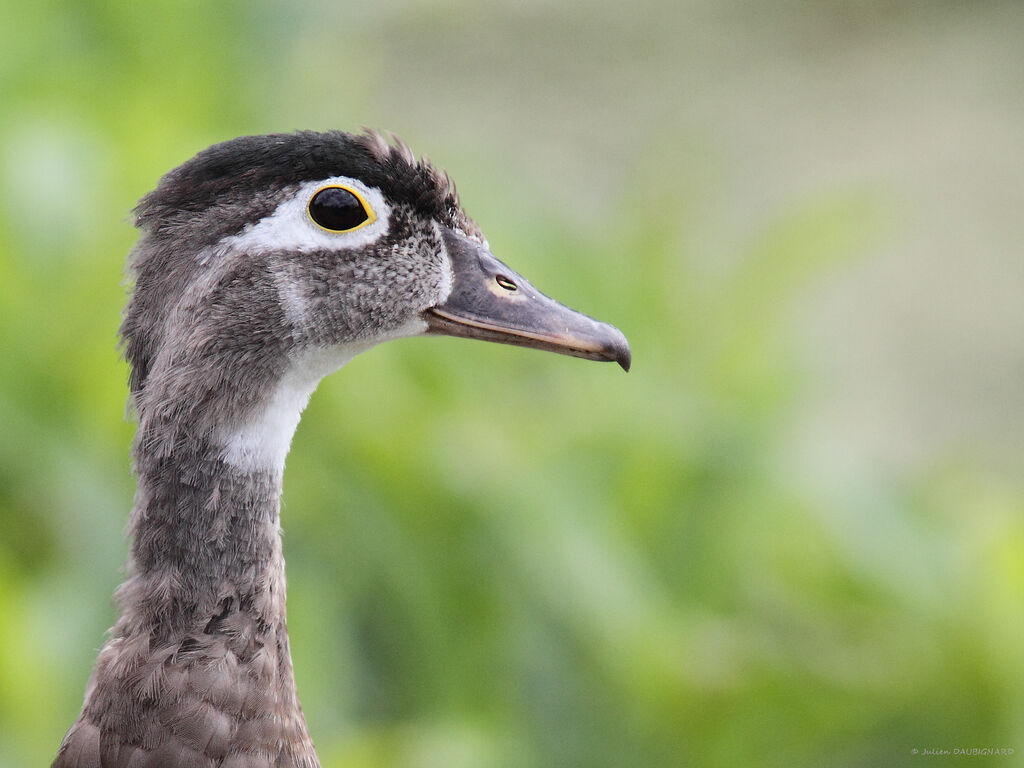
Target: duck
pixel 263 264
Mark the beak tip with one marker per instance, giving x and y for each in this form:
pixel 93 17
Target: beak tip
pixel 618 347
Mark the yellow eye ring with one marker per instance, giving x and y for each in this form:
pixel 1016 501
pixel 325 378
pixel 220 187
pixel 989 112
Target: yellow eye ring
pixel 336 208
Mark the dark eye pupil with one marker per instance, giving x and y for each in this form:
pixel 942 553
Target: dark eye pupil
pixel 337 209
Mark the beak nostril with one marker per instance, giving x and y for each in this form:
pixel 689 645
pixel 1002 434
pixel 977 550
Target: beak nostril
pixel 505 283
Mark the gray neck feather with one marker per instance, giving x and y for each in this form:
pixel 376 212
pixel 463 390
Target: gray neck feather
pixel 197 669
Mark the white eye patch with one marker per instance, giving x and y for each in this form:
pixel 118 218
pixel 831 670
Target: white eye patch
pixel 290 228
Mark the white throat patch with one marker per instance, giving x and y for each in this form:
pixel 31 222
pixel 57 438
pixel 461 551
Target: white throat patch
pixel 262 441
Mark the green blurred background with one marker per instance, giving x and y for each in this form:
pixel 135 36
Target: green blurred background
pixel 793 535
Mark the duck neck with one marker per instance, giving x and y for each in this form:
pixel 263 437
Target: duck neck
pixel 206 551
pixel 197 669
pixel 198 664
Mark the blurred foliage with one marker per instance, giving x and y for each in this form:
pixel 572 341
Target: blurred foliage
pixel 496 558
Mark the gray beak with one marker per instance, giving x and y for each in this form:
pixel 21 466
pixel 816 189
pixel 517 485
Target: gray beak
pixel 490 302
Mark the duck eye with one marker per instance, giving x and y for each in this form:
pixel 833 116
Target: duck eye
pixel 339 209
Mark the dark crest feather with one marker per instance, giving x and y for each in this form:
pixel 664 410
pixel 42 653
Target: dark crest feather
pixel 236 170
